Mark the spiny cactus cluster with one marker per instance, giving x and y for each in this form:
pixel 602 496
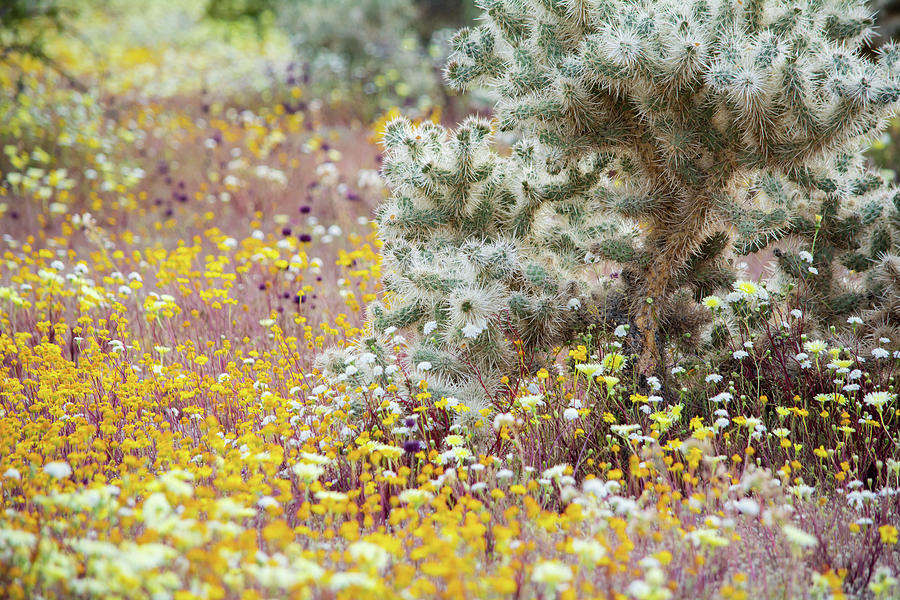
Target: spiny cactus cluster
pixel 834 222
pixel 882 321
pixel 659 136
pixel 475 257
pixel 690 99
pixel 855 230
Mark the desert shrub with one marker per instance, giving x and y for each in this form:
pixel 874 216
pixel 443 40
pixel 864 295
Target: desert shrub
pixel 235 10
pixel 23 24
pixel 366 54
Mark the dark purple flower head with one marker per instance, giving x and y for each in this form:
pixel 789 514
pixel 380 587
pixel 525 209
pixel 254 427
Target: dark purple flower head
pixel 285 231
pixel 305 237
pixel 413 446
pixel 305 210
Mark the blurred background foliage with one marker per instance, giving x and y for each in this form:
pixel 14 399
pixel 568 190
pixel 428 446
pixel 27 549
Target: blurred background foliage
pixel 355 58
pixel 363 55
pixel 76 76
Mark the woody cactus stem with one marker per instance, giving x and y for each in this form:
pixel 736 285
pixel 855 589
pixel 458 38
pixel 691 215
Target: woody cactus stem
pixel 688 102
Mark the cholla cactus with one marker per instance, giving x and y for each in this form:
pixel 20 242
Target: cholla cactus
pixel 857 232
pixel 687 102
pixel 880 258
pixel 882 321
pixel 482 250
pixel 658 136
pixel 466 269
pixel 844 223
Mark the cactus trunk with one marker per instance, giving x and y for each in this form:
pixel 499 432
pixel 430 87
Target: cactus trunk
pixel 675 236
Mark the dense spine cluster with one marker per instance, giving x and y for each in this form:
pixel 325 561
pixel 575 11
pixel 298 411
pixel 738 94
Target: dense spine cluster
pixel 847 263
pixel 690 101
pixel 656 136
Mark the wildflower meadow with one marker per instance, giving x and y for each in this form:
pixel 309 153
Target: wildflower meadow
pixel 526 299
